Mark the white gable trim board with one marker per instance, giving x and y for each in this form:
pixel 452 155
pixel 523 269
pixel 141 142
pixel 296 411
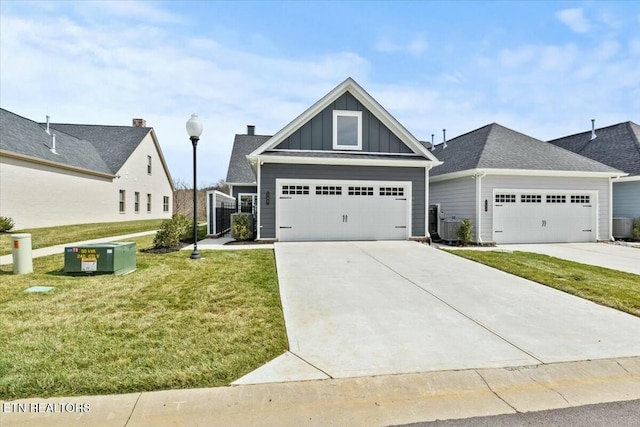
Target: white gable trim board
pixel 316 209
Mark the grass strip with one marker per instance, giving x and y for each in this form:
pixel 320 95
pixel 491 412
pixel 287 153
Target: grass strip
pixel 604 286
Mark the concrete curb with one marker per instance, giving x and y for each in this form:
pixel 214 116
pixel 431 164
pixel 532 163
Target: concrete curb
pixel 366 401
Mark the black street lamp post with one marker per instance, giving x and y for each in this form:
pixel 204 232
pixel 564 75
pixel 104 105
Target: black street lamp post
pixel 194 129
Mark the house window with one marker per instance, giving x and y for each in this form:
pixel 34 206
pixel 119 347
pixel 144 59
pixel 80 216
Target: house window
pixel 530 198
pixel 136 202
pixel 347 130
pixel 391 191
pixel 295 189
pixel 361 191
pixel 149 165
pixel 148 203
pixel 121 201
pixel 505 198
pixel 165 204
pixel 585 200
pixel 247 202
pixel 554 198
pixel 328 190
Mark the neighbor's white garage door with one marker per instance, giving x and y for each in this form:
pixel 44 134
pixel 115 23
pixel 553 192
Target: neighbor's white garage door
pixel 535 216
pixel 342 210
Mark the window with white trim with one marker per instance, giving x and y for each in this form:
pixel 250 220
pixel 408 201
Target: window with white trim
pixel 505 198
pixel 295 189
pixel 361 191
pixel 148 203
pixel 556 198
pixel 136 202
pixel 165 204
pixel 149 165
pixel 530 198
pixel 581 198
pixel 347 130
pixel 121 201
pixel 391 191
pixel 328 190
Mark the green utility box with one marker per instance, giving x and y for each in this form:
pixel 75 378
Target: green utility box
pixel 108 258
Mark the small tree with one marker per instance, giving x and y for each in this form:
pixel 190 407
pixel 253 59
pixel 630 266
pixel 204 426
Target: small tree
pixel 6 224
pixel 464 232
pixel 241 226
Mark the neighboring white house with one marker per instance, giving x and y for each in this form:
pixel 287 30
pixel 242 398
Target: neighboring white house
pixel 617 146
pixel 517 189
pixel 58 174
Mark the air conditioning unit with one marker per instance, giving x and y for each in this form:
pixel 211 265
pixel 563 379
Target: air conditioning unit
pixel 622 228
pixel 449 230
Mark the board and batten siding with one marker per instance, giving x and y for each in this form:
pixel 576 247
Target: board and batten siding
pixel 269 172
pixel 317 133
pixel 626 199
pixel 491 182
pixel 456 198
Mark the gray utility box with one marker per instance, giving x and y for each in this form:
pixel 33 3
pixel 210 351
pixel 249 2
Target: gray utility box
pixel 449 230
pixel 106 258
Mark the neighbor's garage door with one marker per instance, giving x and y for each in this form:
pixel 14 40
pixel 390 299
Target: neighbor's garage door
pixel 535 216
pixel 343 210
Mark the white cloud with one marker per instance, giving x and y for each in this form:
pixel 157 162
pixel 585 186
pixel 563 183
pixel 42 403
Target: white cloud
pixel 416 46
pixel 574 19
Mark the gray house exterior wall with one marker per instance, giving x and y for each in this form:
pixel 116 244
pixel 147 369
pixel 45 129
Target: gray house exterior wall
pixel 269 172
pixel 456 198
pixel 317 133
pixel 601 185
pixel 626 199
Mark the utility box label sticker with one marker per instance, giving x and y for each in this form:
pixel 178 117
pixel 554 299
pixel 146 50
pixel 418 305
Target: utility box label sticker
pixel 89 265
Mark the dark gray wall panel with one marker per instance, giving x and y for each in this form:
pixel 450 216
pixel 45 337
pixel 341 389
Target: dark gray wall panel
pixel 317 133
pixel 270 172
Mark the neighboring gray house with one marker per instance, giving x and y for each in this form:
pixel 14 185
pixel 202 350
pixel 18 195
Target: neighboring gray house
pixel 517 189
pixel 58 174
pixel 617 146
pixel 344 169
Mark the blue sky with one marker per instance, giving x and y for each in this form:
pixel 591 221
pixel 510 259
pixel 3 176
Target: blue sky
pixel 541 68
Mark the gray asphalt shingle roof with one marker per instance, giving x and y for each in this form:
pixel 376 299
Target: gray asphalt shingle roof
pixel 617 146
pixel 496 147
pixel 114 144
pixel 239 170
pixel 26 137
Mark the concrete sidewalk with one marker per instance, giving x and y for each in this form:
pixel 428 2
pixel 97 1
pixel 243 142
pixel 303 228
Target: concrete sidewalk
pixel 59 249
pixel 363 401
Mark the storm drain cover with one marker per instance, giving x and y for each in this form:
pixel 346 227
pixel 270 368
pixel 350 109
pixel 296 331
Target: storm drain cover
pixel 39 289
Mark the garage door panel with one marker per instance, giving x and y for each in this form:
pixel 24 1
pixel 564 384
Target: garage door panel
pixel 535 216
pixel 348 210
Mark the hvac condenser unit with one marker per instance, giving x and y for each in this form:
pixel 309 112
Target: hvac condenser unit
pixel 622 228
pixel 449 230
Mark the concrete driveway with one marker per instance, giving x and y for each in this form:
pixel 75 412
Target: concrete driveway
pixel 372 308
pixel 617 257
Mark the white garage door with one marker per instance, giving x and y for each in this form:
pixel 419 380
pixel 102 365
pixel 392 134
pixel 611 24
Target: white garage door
pixel 343 210
pixel 535 216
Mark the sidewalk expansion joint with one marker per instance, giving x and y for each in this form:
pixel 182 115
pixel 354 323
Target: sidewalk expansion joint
pixel 311 364
pixel 496 394
pixel 135 405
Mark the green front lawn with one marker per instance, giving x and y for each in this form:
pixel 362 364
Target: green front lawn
pixel 51 236
pixel 601 285
pixel 172 323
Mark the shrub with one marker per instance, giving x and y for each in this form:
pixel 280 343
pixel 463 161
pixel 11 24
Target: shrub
pixel 241 227
pixel 464 232
pixel 636 229
pixel 172 231
pixel 6 223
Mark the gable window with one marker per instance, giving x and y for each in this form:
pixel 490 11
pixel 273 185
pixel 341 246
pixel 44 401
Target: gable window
pixel 121 201
pixel 149 165
pixel 165 204
pixel 148 203
pixel 347 130
pixel 136 202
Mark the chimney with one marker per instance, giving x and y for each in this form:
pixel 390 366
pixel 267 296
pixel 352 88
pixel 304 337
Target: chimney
pixel 48 126
pixel 139 123
pixel 593 129
pixel 251 130
pixel 444 137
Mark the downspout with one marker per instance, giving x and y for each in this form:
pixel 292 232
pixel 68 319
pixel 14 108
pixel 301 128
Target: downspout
pixel 479 177
pixel 259 200
pixel 426 203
